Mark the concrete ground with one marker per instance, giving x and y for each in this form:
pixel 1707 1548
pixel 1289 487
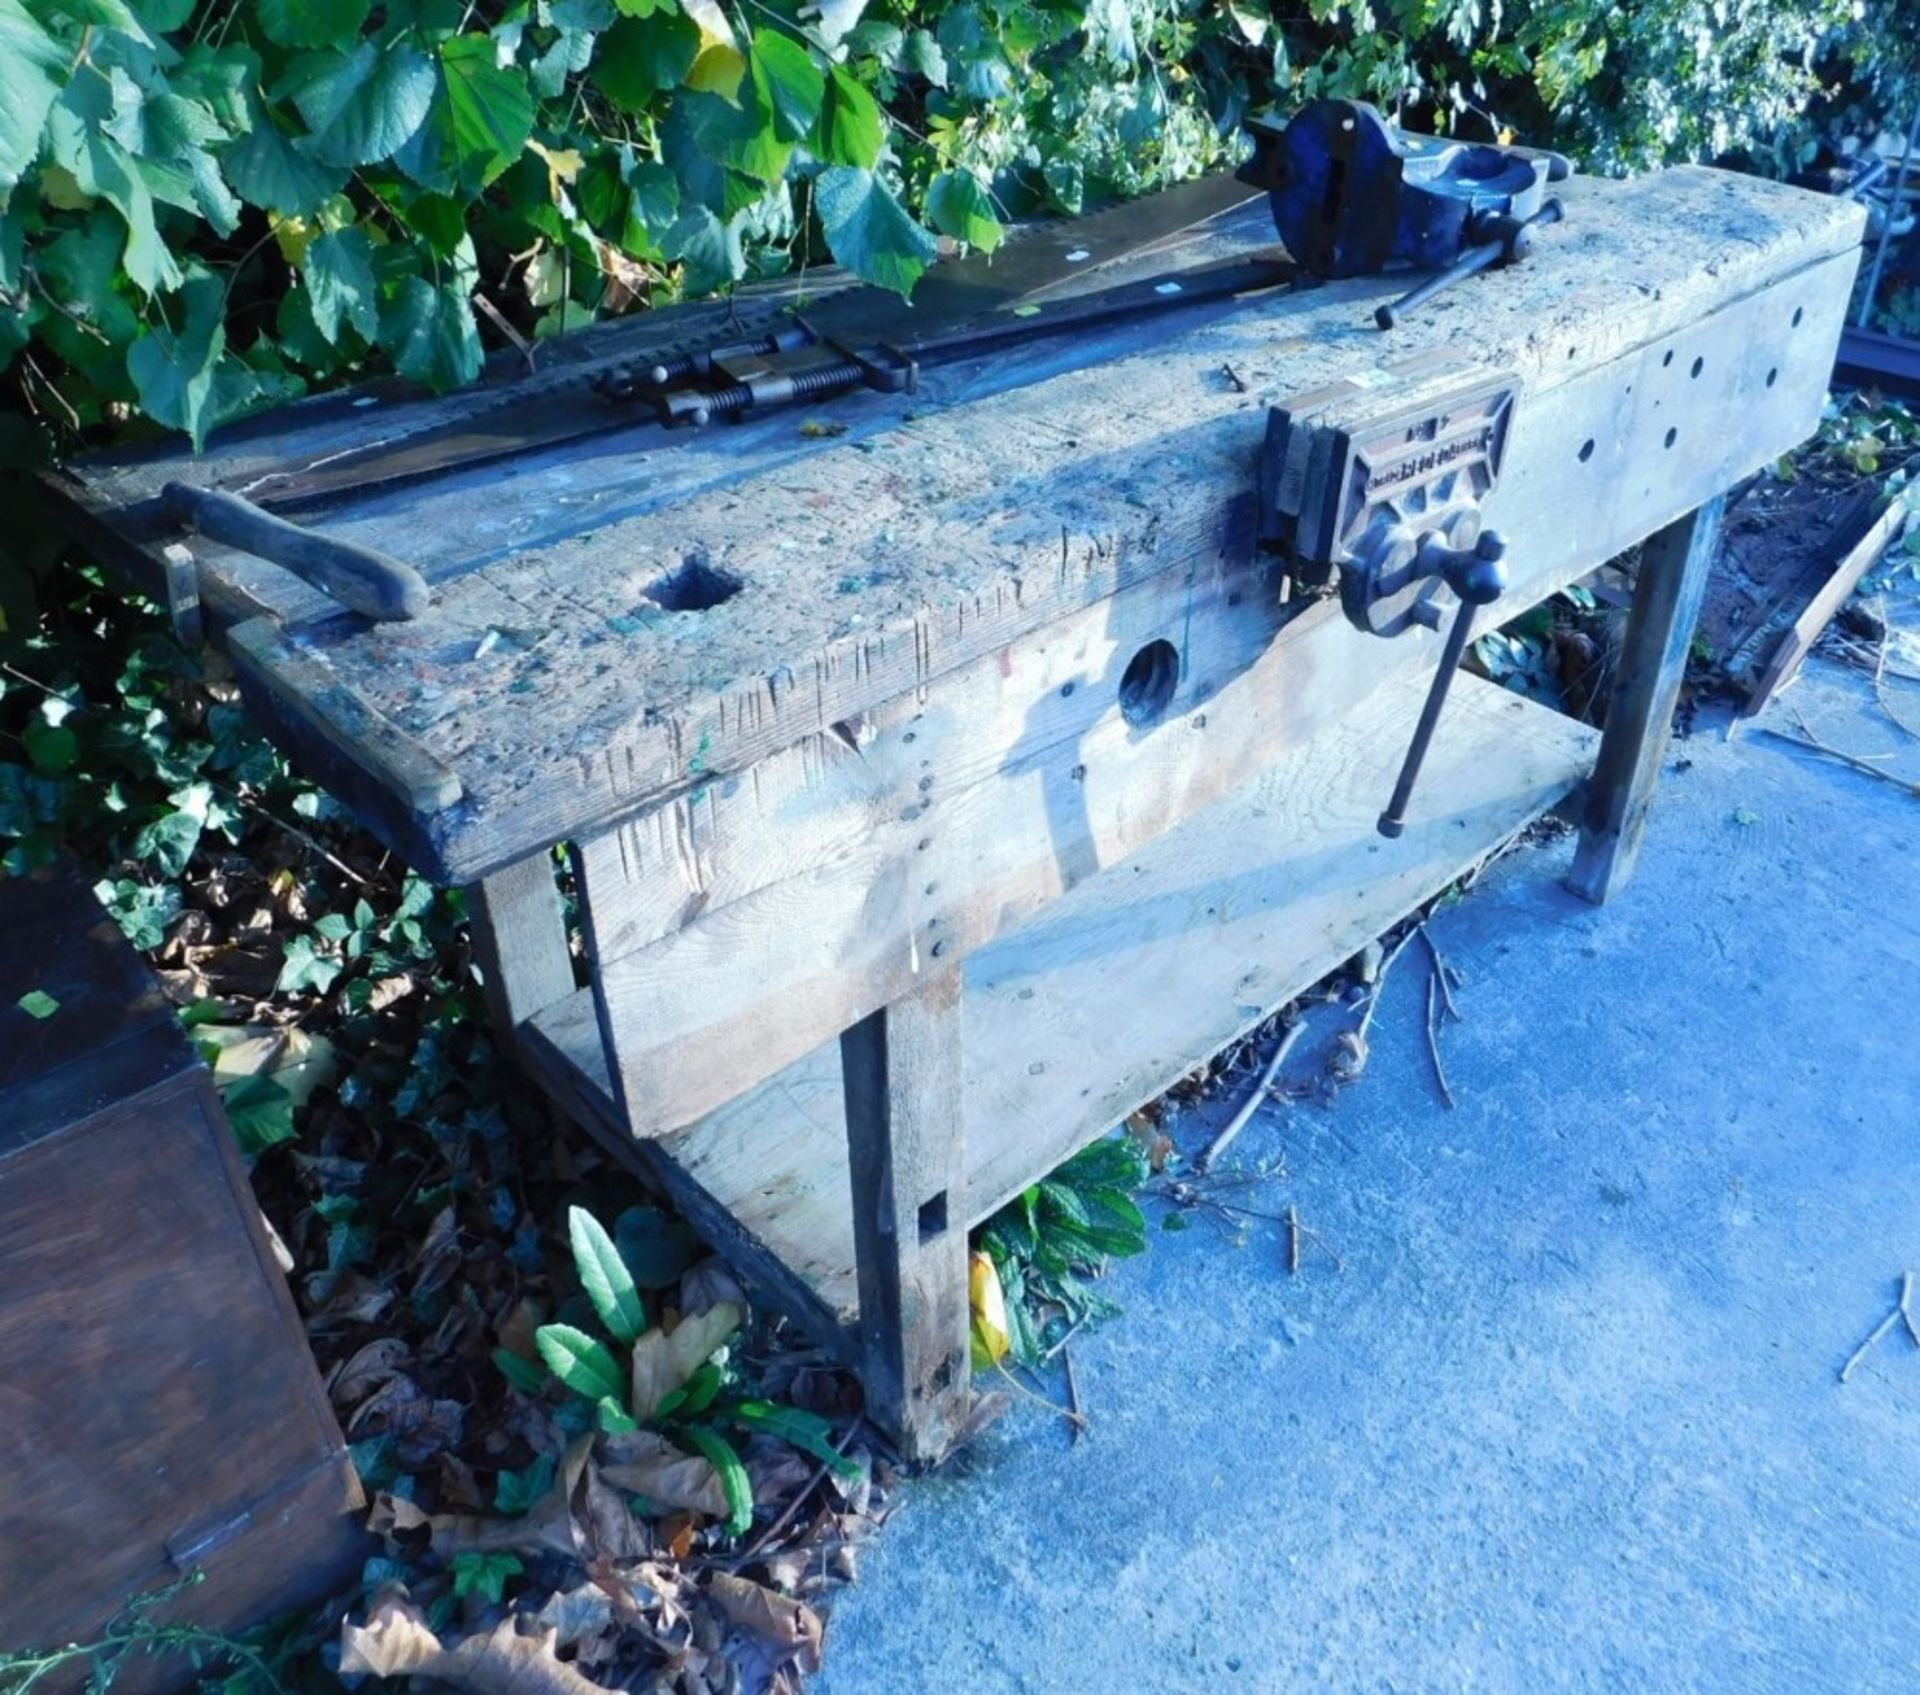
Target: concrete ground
pixel 1569 1418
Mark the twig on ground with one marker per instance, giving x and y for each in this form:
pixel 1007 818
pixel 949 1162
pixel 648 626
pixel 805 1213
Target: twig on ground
pixel 1441 969
pixel 1902 1313
pixel 1298 1233
pixel 767 1536
pixel 1858 762
pixel 1293 1240
pixel 1255 1096
pixel 1071 1415
pixel 1073 1396
pixel 1433 1036
pixel 300 835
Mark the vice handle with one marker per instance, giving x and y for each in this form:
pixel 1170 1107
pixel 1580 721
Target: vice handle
pixel 384 588
pixel 1478 575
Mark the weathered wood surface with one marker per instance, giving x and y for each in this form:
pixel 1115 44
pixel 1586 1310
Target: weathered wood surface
pixel 520 942
pixel 945 526
pixel 160 1412
pixel 811 889
pixel 1667 592
pixel 906 1158
pixel 1126 982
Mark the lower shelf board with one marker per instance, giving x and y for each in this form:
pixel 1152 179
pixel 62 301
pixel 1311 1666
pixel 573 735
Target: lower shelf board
pixel 1120 988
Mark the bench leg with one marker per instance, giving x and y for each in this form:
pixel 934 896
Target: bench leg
pixel 520 941
pixel 1666 605
pixel 908 1167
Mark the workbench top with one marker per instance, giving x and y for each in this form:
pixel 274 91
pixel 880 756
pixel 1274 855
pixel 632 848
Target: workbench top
pixel 548 693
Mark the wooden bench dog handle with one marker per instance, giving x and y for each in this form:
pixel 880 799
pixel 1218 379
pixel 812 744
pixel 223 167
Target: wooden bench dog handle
pixel 384 588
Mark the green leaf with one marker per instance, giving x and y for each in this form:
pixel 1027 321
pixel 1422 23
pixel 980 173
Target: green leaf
pixel 51 747
pixel 639 58
pixel 742 138
pixel 582 1364
pixel 788 82
pixel 304 968
pixel 172 370
pixel 522 1374
pixel 958 206
pixel 431 332
pixel 167 843
pixel 268 169
pixel 260 1111
pixel 518 1492
pixel 615 1420
pixel 79 138
pixel 923 56
pixel 605 1277
pixel 483 1575
pixel 849 131
pixel 32 68
pixel 341 287
pixel 808 1432
pixel 867 230
pixel 718 1452
pixel 489 106
pixel 362 106
pixel 709 248
pixel 37 1003
pixel 312 23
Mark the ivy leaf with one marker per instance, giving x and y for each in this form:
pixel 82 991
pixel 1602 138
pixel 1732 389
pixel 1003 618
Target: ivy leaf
pixel 582 1364
pixel 788 83
pixel 519 1492
pixel 312 23
pixel 260 1111
pixel 173 371
pixel 37 1003
pixel 483 1575
pixel 958 206
pixel 32 67
pixel 430 330
pixel 304 967
pixel 341 287
pixel 849 131
pixel 363 105
pixel 269 170
pixel 867 230
pixel 605 1277
pixel 490 107
pixel 638 59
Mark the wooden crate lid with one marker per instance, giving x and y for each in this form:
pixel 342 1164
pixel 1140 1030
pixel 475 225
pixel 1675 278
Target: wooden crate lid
pixel 110 1031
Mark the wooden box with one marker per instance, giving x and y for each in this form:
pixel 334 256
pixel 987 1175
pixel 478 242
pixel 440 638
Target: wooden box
pixel 160 1412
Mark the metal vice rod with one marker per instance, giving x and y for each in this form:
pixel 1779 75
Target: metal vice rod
pixel 1478 575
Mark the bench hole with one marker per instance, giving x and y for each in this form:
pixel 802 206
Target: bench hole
pixel 1668 360
pixel 1148 683
pixel 1799 312
pixel 1699 365
pixel 1672 437
pixel 1586 450
pixel 692 586
pixel 933 1218
pixel 1773 376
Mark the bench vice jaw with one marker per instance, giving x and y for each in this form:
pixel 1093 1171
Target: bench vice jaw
pixel 1388 501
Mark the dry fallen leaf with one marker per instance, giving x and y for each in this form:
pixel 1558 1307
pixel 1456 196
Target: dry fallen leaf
pixel 663 1360
pixel 396 1642
pixel 771 1616
pixel 650 1465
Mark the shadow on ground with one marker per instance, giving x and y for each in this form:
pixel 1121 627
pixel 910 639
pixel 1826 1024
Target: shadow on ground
pixel 1568 1420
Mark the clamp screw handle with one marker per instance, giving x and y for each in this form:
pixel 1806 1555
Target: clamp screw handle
pixel 1478 575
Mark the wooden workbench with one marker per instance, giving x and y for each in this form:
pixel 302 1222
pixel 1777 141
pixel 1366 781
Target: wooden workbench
pixel 909 862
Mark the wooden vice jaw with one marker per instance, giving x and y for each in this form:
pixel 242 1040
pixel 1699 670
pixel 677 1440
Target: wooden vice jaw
pixel 1391 503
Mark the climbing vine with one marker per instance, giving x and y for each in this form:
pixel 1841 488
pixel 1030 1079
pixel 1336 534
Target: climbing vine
pixel 206 208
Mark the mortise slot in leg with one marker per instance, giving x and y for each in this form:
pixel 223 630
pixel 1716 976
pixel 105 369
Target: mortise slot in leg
pixel 933 1218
